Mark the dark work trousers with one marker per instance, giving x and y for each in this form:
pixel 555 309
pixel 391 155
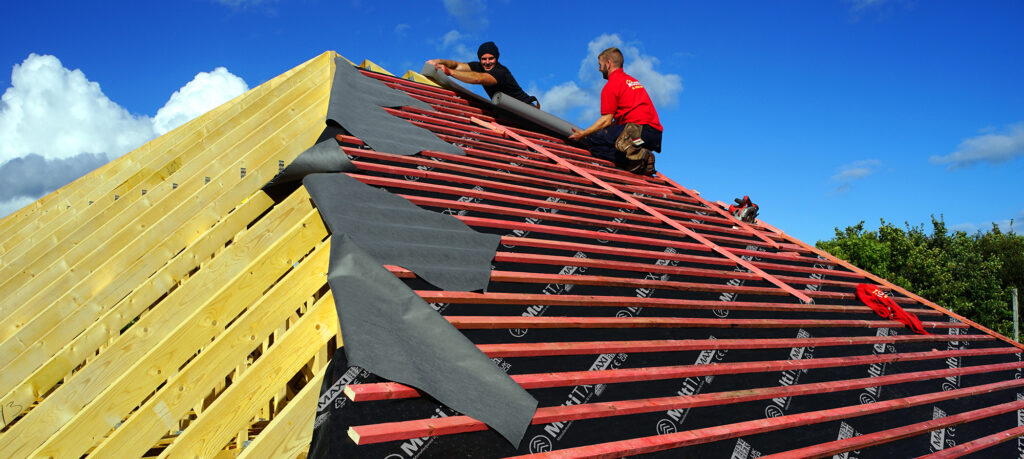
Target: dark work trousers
pixel 602 143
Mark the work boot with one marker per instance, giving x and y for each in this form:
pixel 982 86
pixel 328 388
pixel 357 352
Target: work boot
pixel 630 143
pixel 643 166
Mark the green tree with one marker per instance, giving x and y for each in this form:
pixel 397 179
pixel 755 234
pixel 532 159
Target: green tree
pixel 969 274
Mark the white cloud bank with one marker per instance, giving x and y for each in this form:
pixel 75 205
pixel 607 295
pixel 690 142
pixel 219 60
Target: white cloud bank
pixel 992 148
pixel 581 100
pixel 206 91
pixel 56 125
pixel 453 44
pixel 57 113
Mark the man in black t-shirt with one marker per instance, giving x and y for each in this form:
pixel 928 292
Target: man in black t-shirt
pixel 487 71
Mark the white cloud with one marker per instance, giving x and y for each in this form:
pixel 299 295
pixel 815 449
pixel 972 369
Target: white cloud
pixel 58 113
pixel 857 170
pixel 32 175
pixel 663 88
pixel 470 14
pixel 581 100
pixel 569 98
pixel 992 148
pixel 453 43
pixel 450 38
pixel 205 92
pixel 402 29
pixel 56 125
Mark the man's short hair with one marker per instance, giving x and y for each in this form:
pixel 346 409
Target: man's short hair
pixel 612 55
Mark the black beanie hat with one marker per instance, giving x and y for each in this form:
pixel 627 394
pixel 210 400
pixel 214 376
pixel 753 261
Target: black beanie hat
pixel 487 48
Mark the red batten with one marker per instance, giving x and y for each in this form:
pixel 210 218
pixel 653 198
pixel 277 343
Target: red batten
pixel 459 424
pixel 589 251
pixel 681 439
pixel 899 433
pixel 390 391
pixel 974 446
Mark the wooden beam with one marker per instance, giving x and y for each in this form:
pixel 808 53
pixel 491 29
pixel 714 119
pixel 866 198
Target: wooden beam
pixel 289 433
pixel 122 376
pixel 239 403
pixel 141 431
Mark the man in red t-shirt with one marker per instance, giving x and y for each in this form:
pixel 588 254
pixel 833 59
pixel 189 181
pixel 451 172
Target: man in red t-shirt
pixel 628 129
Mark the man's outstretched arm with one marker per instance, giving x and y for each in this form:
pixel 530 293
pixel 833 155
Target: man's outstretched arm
pixel 601 123
pixel 461 71
pixel 450 64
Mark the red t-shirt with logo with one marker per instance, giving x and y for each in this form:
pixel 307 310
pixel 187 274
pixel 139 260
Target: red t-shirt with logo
pixel 626 99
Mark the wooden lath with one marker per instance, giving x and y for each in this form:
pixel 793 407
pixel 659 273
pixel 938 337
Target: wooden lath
pixel 671 222
pixel 568 207
pixel 393 391
pixel 135 325
pixel 688 438
pixel 142 168
pixel 403 430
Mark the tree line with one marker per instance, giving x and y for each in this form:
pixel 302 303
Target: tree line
pixel 970 274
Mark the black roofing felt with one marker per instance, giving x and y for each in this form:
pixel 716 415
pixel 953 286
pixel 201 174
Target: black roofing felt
pixel 355 105
pixel 387 328
pixel 736 345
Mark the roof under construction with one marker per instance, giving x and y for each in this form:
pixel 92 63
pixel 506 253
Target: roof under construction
pixel 190 298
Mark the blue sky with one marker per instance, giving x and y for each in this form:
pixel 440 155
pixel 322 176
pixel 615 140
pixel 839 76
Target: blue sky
pixel 825 112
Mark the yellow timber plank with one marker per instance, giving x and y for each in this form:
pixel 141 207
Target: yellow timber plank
pixel 288 434
pixel 369 65
pixel 121 280
pixel 118 224
pixel 214 205
pixel 187 388
pixel 69 201
pixel 419 78
pixel 238 404
pixel 80 262
pixel 22 384
pixel 100 395
pixel 50 205
pixel 103 182
pixel 124 175
pixel 78 235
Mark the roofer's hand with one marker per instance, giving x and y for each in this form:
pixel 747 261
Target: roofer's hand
pixel 576 134
pixel 434 62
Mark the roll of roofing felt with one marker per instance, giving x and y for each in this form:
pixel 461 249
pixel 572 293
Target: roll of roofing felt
pixel 444 80
pixel 533 114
